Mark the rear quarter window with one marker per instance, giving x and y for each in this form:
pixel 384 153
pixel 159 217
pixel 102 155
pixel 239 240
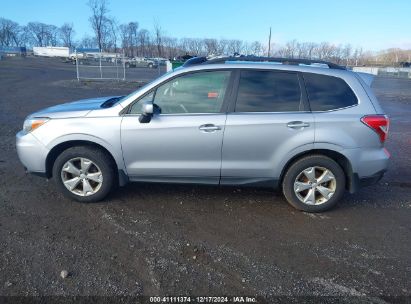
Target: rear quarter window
pixel 327 93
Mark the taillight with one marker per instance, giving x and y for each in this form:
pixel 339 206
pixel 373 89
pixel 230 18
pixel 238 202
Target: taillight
pixel 379 123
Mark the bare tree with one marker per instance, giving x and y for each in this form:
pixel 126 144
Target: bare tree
pixel 291 48
pixel 211 47
pixel 143 38
pixel 346 53
pixel 357 55
pixel 235 47
pixel 25 37
pixel 129 38
pixel 43 34
pixel 88 42
pixel 98 19
pixel 66 34
pixel 10 32
pixel 222 46
pixel 158 35
pixel 124 37
pixel 132 36
pixel 197 46
pixel 170 47
pixel 111 34
pixel 256 48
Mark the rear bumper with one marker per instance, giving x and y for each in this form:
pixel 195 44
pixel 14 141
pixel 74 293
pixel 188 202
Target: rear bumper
pixel 371 180
pixel 357 182
pixel 367 166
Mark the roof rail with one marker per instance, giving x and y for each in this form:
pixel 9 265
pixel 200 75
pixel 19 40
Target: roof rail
pixel 289 61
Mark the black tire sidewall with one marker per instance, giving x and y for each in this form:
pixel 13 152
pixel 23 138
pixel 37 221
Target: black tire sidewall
pixel 304 163
pixel 97 156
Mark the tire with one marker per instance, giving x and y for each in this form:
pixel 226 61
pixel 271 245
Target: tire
pixel 150 65
pixel 99 177
pixel 301 175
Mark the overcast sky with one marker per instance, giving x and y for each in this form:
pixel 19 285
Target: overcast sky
pixel 372 24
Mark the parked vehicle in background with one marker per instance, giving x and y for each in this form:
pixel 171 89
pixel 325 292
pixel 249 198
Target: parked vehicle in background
pixel 138 62
pixel 12 51
pixel 159 61
pixel 311 128
pixel 51 51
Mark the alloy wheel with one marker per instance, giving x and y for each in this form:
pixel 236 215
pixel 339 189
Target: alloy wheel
pixel 315 185
pixel 81 176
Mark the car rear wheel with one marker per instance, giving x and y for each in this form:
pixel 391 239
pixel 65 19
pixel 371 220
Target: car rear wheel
pixel 84 174
pixel 314 183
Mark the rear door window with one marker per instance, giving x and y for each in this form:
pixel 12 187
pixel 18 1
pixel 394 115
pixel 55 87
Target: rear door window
pixel 268 91
pixel 327 93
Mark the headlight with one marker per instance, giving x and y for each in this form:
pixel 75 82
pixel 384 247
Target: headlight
pixel 33 123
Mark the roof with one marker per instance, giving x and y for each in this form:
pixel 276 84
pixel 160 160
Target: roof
pixel 262 60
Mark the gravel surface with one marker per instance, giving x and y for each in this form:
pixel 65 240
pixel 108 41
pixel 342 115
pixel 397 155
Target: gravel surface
pixel 148 239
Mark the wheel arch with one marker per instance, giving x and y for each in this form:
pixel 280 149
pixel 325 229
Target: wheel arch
pixel 59 148
pixel 339 158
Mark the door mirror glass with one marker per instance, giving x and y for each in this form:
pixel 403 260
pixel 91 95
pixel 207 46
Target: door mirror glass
pixel 147 112
pixel 137 107
pixel 148 108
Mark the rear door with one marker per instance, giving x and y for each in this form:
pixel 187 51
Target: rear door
pixel 267 124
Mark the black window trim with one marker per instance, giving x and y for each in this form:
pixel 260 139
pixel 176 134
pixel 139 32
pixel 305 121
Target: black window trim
pixel 332 110
pixel 303 107
pixel 224 106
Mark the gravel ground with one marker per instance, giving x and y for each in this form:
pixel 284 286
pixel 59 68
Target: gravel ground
pixel 148 239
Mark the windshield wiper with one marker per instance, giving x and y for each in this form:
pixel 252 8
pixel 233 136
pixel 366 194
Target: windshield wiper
pixel 110 102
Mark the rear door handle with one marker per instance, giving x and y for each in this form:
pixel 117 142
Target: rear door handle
pixel 298 124
pixel 209 128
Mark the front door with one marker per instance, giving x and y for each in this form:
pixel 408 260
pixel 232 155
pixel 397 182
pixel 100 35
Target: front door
pixel 182 143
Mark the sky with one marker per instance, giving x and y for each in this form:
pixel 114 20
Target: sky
pixel 371 24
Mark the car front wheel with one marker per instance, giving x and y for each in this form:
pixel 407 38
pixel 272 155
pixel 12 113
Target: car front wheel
pixel 84 174
pixel 314 183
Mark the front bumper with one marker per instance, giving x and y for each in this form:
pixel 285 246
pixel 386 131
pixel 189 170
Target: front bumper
pixel 32 153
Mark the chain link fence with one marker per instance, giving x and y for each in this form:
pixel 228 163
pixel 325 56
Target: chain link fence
pixel 115 66
pixel 103 66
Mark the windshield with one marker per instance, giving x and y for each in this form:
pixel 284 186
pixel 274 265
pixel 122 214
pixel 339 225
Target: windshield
pixel 143 87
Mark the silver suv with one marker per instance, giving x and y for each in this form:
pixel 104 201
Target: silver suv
pixel 312 128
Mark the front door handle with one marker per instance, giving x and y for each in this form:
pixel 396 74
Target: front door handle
pixel 298 124
pixel 209 128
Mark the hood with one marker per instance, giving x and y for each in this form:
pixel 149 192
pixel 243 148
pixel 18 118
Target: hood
pixel 76 108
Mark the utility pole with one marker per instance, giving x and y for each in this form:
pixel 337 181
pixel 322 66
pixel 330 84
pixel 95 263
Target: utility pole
pixel 269 43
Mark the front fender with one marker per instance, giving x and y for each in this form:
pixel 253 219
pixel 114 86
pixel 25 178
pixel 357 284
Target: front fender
pixel 113 150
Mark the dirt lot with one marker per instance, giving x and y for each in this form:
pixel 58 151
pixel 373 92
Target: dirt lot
pixel 195 240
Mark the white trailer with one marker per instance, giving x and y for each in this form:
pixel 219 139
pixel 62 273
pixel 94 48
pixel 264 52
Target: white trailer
pixel 51 51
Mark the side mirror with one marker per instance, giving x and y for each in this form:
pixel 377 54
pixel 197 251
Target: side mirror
pixel 148 110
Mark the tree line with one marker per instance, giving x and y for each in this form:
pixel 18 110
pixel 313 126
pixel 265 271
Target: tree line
pixel 112 36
